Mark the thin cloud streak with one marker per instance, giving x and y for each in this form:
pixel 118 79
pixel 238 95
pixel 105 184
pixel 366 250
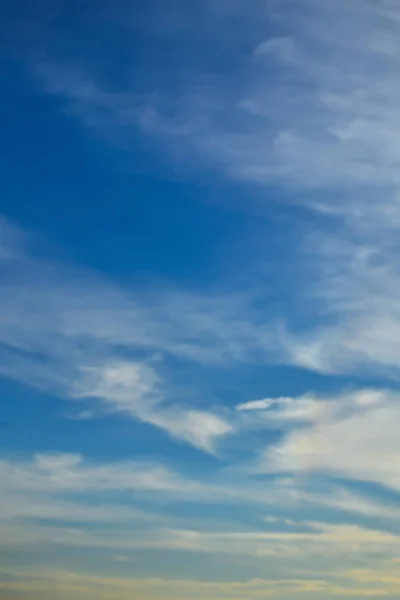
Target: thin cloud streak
pixel 315 111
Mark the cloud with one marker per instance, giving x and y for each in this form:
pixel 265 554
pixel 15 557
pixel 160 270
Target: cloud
pixel 352 436
pixel 255 404
pixel 355 296
pixel 319 108
pixel 15 507
pixel 83 415
pixel 63 485
pixel 68 331
pixel 60 506
pixel 316 538
pixel 66 303
pixel 64 499
pixel 88 586
pixel 199 428
pixel 284 408
pixel 309 104
pixel 132 389
pixel 358 583
pixel 67 472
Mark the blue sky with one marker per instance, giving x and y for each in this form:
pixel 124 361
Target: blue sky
pixel 199 318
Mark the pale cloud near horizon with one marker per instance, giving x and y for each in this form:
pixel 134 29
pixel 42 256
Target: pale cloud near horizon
pixel 62 486
pixel 47 501
pixel 346 584
pixel 69 473
pixel 27 522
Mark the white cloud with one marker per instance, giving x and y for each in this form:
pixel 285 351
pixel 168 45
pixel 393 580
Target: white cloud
pixel 255 404
pixel 129 387
pixel 71 473
pixel 352 436
pixel 68 331
pixel 116 526
pixel 356 294
pixel 380 582
pixel 200 428
pixel 16 507
pixel 284 408
pixel 339 543
pixel 64 304
pixel 326 126
pixel 50 478
pixel 314 109
pixel 326 119
pixel 321 538
pixel 124 384
pixel 63 504
pixel 133 388
pixel 65 474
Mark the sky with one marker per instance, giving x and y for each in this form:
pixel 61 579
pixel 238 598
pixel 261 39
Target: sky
pixel 199 300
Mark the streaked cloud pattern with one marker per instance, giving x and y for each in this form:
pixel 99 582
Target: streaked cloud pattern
pixel 199 322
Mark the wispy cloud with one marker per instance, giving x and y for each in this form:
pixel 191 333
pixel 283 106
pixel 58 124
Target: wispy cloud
pixel 308 104
pixel 345 584
pixel 62 485
pixel 71 473
pixel 312 108
pixel 351 436
pixel 67 503
pixel 355 297
pixel 72 333
pixel 325 119
pixel 103 587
